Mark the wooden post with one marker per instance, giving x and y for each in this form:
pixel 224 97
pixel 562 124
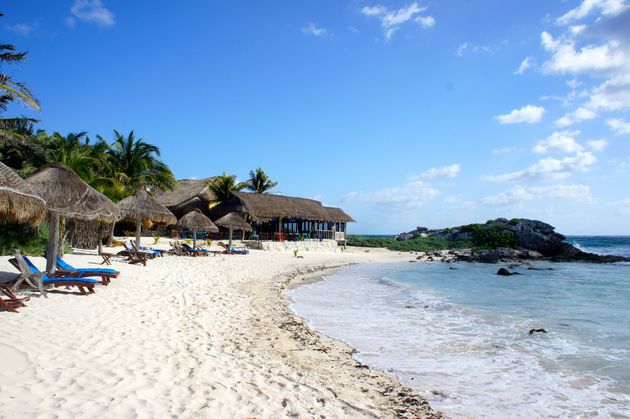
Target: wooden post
pixel 53 242
pixel 138 234
pixel 230 237
pixel 195 238
pixel 110 239
pixel 100 238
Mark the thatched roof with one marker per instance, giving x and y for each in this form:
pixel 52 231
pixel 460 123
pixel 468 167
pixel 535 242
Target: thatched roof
pixel 264 207
pixel 195 220
pixel 142 207
pixel 234 221
pixel 67 194
pixel 187 195
pixel 18 202
pixel 338 215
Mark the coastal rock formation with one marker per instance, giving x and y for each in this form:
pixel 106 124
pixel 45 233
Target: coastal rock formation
pixel 503 240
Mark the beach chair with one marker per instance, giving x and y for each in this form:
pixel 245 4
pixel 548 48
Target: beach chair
pixel 151 251
pixel 233 251
pixel 32 275
pixel 132 256
pixel 131 248
pixel 105 273
pixel 11 302
pixel 195 252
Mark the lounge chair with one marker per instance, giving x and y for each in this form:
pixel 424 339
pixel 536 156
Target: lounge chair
pixel 132 256
pixel 131 248
pixel 31 274
pixel 233 251
pixel 195 252
pixel 104 273
pixel 12 302
pixel 150 250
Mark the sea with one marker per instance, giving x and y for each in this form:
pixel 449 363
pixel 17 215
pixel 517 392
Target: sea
pixel 460 335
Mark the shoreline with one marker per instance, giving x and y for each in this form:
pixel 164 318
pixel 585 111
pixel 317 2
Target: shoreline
pixel 391 398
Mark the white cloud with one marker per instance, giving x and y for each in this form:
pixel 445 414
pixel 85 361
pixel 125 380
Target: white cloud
pixel 529 114
pixel 579 115
pixel 505 150
pixel 91 11
pixel 619 126
pixel 517 194
pixel 597 145
pixel 413 194
pixel 462 48
pixel 314 30
pixel 605 7
pixel 623 206
pixel 446 171
pixel 426 21
pixel 559 141
pixel 612 95
pixel 392 20
pixel 549 168
pixel 525 65
pixel 23 29
pixel 566 59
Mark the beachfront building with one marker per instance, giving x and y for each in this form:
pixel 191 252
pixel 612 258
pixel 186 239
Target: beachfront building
pixel 188 195
pixel 286 218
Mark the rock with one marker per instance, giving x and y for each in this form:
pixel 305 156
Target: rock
pixel 536 235
pixel 505 272
pixel 489 256
pixel 532 331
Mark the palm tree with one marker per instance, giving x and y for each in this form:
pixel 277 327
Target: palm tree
pixel 259 182
pixel 137 164
pixel 224 185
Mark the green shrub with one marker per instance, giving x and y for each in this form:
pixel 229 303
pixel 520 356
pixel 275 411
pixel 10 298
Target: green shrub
pixel 360 241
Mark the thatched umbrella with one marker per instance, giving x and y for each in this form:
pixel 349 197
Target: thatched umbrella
pixel 141 208
pixel 18 202
pixel 67 194
pixel 232 221
pixel 196 221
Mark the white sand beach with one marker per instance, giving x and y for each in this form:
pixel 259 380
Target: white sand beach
pixel 188 337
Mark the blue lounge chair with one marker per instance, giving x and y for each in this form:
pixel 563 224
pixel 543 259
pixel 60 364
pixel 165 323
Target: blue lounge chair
pixel 195 252
pixel 104 273
pixel 29 271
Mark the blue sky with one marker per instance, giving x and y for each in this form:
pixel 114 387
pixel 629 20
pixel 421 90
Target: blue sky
pixel 429 113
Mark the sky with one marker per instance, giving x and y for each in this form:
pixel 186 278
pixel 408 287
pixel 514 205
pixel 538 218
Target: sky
pixel 429 113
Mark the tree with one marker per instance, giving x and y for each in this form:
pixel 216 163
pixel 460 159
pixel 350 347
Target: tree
pixel 259 182
pixel 11 90
pixel 136 164
pixel 224 185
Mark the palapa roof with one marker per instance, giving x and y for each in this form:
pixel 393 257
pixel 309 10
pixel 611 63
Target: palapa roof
pixel 234 221
pixel 264 207
pixel 18 201
pixel 187 195
pixel 195 220
pixel 338 215
pixel 142 207
pixel 67 194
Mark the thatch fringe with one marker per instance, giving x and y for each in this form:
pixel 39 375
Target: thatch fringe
pixel 67 194
pixel 195 220
pixel 234 221
pixel 18 201
pixel 142 207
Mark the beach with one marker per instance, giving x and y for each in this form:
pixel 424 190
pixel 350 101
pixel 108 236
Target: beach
pixel 190 337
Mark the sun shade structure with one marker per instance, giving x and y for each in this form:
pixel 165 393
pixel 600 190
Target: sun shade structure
pixel 67 194
pixel 142 208
pixel 232 221
pixel 18 201
pixel 195 221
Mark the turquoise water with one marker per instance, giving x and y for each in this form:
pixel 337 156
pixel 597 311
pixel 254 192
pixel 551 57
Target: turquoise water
pixel 460 336
pixel 603 245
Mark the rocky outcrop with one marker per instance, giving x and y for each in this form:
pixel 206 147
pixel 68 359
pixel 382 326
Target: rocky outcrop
pixel 527 239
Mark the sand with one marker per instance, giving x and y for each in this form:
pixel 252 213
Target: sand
pixel 189 337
